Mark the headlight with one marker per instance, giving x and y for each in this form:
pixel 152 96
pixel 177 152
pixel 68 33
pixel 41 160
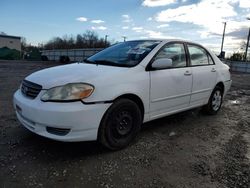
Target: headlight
pixel 68 92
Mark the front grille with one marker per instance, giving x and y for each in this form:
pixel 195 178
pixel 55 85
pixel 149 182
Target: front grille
pixel 30 89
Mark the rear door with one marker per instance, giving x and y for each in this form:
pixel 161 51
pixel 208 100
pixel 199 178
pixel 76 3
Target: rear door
pixel 204 74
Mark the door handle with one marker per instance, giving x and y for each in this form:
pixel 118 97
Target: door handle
pixel 213 70
pixel 187 73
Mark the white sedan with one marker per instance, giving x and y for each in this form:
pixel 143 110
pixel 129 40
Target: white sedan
pixel 109 95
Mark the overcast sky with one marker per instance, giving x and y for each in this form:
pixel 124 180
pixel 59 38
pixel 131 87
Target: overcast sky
pixel 194 20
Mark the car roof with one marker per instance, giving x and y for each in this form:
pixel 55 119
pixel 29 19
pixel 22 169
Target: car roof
pixel 167 40
pixel 174 40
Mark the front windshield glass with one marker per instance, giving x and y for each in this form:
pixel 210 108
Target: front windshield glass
pixel 125 54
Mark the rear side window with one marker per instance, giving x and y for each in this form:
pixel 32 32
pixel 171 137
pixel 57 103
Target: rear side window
pixel 210 60
pixel 198 56
pixel 174 51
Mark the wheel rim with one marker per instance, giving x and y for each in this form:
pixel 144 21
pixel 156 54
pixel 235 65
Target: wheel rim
pixel 123 124
pixel 216 100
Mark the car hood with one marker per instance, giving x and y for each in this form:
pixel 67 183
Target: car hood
pixel 72 73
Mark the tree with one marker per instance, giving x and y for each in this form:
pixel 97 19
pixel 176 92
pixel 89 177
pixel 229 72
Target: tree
pixel 23 43
pixel 237 56
pixel 240 54
pixel 79 41
pixel 2 33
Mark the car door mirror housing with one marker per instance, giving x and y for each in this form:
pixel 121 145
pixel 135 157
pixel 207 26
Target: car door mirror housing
pixel 162 63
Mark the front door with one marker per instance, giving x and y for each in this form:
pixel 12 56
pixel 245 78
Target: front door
pixel 171 87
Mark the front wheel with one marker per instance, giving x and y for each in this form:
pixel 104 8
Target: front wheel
pixel 215 101
pixel 120 124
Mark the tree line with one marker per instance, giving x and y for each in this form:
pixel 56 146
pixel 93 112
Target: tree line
pixel 89 39
pixel 240 55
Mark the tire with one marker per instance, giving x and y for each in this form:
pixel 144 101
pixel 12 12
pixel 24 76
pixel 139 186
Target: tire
pixel 64 59
pixel 120 124
pixel 215 102
pixel 44 58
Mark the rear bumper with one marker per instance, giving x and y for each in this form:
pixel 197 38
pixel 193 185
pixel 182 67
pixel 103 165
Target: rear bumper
pixel 81 121
pixel 227 85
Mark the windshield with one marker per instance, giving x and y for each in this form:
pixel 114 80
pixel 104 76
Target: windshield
pixel 125 54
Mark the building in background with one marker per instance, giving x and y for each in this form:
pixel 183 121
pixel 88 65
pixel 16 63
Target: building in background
pixel 10 47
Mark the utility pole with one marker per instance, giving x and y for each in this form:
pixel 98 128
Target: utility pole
pixel 222 42
pixel 248 18
pixel 124 38
pixel 247 44
pixel 106 36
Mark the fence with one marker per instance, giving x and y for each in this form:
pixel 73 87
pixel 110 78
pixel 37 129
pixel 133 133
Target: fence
pixel 238 66
pixel 73 54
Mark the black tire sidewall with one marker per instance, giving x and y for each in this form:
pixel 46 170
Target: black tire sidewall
pixel 105 134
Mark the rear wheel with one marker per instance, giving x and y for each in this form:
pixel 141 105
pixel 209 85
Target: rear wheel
pixel 120 124
pixel 215 101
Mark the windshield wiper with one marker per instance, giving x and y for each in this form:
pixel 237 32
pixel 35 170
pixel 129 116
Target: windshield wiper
pixel 105 62
pixel 88 61
pixel 111 63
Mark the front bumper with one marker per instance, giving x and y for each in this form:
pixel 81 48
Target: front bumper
pixel 81 120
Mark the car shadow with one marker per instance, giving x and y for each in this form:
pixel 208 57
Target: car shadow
pixel 172 121
pixel 45 149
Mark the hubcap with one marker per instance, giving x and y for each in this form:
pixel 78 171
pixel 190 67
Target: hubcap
pixel 216 101
pixel 124 123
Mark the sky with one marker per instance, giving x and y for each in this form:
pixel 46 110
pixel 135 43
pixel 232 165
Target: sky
pixel 195 20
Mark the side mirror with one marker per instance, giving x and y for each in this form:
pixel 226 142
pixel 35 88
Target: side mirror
pixel 162 63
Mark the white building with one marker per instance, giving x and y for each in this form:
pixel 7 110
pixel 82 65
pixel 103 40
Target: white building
pixel 11 42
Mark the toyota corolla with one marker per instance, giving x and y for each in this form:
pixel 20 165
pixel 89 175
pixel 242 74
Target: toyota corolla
pixel 109 95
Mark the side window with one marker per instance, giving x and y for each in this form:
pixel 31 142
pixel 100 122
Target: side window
pixel 210 60
pixel 198 55
pixel 176 52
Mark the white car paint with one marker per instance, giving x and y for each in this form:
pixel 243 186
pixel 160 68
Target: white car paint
pixel 162 92
pixel 170 91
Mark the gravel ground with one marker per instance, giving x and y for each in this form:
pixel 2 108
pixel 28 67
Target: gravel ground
pixel 189 149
